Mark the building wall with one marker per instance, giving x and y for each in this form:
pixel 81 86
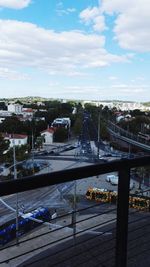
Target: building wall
pixel 48 137
pixel 17 142
pixel 15 108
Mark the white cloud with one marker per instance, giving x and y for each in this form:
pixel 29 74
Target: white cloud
pixel 140 78
pixel 71 10
pixel 9 74
pixel 117 6
pixel 61 11
pixel 92 16
pixel 88 14
pixel 132 22
pixel 83 89
pixel 130 89
pixel 25 44
pixel 99 24
pixel 15 4
pixel 121 85
pixel 113 78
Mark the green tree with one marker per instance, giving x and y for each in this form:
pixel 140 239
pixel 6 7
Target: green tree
pixel 39 142
pixel 21 153
pixel 4 145
pixel 11 125
pixel 3 106
pixel 77 126
pixel 60 135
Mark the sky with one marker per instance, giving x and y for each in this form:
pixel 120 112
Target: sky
pixel 83 49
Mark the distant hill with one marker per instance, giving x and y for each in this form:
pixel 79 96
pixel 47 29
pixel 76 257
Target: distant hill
pixel 26 99
pixel 147 104
pixel 33 99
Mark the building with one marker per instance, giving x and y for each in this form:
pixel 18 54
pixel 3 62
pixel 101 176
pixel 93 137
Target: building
pixel 5 113
pixel 48 135
pixel 15 108
pixel 16 139
pixel 27 113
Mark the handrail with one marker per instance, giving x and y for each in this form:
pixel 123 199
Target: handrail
pixel 53 178
pixel 122 166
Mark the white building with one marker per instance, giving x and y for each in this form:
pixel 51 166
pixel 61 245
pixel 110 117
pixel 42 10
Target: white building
pixel 16 139
pixel 27 112
pixel 15 108
pixel 5 113
pixel 48 135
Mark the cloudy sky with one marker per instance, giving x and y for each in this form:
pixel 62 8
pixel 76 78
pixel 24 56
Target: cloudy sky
pixel 83 49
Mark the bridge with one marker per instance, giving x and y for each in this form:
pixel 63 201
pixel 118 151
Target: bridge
pixel 128 137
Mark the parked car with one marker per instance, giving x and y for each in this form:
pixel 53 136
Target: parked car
pixel 113 179
pixel 110 177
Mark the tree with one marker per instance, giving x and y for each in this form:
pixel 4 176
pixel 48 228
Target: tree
pixel 21 153
pixel 39 142
pixel 3 106
pixel 11 125
pixel 4 145
pixel 60 135
pixel 77 126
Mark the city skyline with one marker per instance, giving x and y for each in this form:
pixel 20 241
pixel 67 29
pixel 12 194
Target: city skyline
pixel 93 50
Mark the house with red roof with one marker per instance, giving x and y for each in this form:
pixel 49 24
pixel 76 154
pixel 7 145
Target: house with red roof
pixel 16 139
pixel 48 135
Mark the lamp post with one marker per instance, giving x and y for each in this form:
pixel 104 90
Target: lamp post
pixel 74 211
pixel 15 178
pixel 98 133
pixel 32 151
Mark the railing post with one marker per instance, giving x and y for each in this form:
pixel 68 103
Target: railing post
pixel 74 212
pixel 122 217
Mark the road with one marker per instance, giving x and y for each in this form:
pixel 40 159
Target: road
pixel 53 196
pixel 48 196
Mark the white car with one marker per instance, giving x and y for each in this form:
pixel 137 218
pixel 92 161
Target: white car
pixel 110 177
pixel 113 179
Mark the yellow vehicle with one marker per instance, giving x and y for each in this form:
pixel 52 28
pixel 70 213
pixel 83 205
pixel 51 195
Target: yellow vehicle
pixel 108 196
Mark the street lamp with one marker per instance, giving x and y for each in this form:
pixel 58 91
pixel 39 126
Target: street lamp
pixel 15 178
pixel 74 211
pixel 98 133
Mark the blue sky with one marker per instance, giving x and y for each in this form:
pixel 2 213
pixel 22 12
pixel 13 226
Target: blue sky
pixel 84 49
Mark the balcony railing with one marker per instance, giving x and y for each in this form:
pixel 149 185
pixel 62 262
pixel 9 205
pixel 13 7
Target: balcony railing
pixel 97 234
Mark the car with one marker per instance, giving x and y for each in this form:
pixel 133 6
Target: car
pixel 114 180
pixel 110 177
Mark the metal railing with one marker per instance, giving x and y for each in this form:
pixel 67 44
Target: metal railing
pixel 118 242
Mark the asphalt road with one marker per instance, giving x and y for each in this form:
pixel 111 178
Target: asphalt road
pixel 52 196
